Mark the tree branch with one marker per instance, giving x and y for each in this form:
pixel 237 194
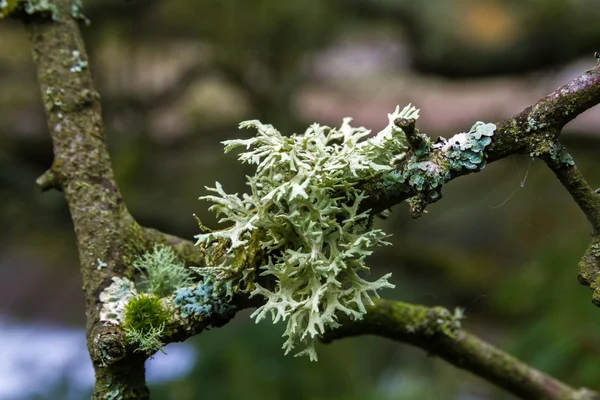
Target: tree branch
pixel 82 169
pixel 438 332
pixel 535 126
pixel 588 200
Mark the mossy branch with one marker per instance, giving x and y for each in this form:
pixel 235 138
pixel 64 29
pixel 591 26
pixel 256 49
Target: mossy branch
pixel 588 201
pixel 438 332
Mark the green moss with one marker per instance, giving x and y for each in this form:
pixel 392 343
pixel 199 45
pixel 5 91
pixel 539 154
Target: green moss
pixel 145 322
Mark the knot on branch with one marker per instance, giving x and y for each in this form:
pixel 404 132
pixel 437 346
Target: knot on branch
pixel 589 269
pixel 419 143
pixel 551 151
pixel 440 321
pixel 109 347
pixel 51 178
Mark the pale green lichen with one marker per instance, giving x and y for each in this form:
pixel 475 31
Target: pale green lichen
pixel 114 298
pixel 304 197
pixel 114 394
pixel 464 151
pixel 561 155
pixel 555 150
pixel 201 300
pixel 101 264
pixel 533 125
pixel 165 294
pixel 76 7
pixel 78 64
pixel 42 6
pixel 6 7
pixel 162 272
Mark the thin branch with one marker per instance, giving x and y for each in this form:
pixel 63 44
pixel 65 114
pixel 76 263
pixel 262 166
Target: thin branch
pixel 572 179
pixel 588 201
pixel 519 134
pixel 438 332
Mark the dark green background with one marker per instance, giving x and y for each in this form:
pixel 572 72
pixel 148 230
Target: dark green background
pixel 176 77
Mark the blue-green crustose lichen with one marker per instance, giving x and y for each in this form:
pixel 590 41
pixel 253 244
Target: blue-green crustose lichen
pixel 429 169
pixel 201 300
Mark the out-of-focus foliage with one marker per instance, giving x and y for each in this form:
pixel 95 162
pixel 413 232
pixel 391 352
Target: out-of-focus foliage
pixel 176 77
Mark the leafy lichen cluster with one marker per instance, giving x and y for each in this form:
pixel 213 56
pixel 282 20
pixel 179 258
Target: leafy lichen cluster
pixel 432 165
pixel 305 198
pixel 165 292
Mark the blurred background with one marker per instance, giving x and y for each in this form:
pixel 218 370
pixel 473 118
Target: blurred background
pixel 176 77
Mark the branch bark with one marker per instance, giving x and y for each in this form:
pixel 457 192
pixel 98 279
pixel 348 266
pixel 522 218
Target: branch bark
pixel 438 332
pixel 106 232
pixel 532 131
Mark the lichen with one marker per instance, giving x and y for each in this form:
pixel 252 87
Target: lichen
pixel 101 264
pixel 78 64
pixel 201 300
pixel 554 149
pixel 305 198
pixel 533 125
pixel 40 7
pixel 76 7
pixel 114 298
pixel 162 272
pixel 431 166
pixel 561 155
pixel 7 7
pixel 465 151
pixel 114 394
